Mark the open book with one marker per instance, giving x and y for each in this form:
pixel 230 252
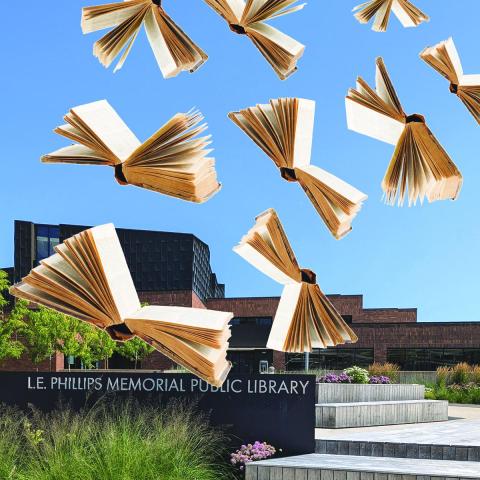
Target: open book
pixel 407 13
pixel 444 58
pixel 420 166
pixel 283 129
pixel 88 278
pixel 173 50
pixel 305 318
pixel 248 18
pixel 173 161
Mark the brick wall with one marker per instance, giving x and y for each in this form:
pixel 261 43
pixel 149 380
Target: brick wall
pixel 345 304
pixel 180 298
pixel 24 364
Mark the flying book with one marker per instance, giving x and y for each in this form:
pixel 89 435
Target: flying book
pixel 420 167
pixel 173 161
pixel 248 18
pixel 88 278
pixel 173 49
pixel 283 129
pixel 444 58
pixel 407 13
pixel 305 318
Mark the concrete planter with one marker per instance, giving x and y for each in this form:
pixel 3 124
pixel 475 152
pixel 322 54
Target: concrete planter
pixel 350 393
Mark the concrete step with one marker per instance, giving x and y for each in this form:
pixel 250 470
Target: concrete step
pixel 345 392
pixel 457 439
pixel 341 467
pixel 367 414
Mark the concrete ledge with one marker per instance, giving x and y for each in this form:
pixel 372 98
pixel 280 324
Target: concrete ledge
pixel 459 453
pixel 340 467
pixel 368 414
pixel 345 393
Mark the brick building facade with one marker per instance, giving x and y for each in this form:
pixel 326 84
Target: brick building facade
pixel 385 334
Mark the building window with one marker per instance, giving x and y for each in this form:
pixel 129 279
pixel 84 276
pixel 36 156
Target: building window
pixel 260 321
pixel 331 359
pixel 429 359
pixel 47 237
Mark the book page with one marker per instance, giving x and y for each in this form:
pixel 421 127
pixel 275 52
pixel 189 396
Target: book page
pixel 183 316
pixel 402 15
pixel 162 53
pixel 284 316
pixel 115 268
pixel 109 15
pixel 252 256
pixel 368 122
pixel 282 41
pixel 454 57
pixel 107 125
pixel 470 80
pixel 304 132
pixel 338 185
pixel 76 154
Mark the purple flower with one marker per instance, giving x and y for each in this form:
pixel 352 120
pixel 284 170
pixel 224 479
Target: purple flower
pixel 249 453
pixel 333 378
pixel 380 380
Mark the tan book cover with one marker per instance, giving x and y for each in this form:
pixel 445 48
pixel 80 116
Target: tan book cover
pixel 88 278
pixel 173 49
pixel 283 129
pixel 305 318
pixel 445 59
pixel 420 168
pixel 173 161
pixel 380 10
pixel 248 18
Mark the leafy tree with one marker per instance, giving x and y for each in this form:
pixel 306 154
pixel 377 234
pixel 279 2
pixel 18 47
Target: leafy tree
pixel 4 286
pixel 12 325
pixel 96 345
pixel 134 350
pixel 42 333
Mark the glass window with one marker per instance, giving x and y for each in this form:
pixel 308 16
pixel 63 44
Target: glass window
pixel 332 359
pixel 429 359
pixel 47 237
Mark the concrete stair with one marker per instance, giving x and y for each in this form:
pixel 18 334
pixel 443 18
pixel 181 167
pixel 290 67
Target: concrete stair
pixel 367 414
pixel 342 467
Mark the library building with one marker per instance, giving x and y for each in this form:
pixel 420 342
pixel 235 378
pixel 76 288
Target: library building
pixel 174 269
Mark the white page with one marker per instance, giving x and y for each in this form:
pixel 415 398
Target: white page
pixel 116 270
pixel 110 19
pixel 470 80
pixel 107 125
pixel 283 317
pixel 160 49
pixel 335 183
pixel 289 44
pixel 371 123
pixel 256 259
pixel 402 15
pixel 190 317
pixel 304 133
pixel 454 57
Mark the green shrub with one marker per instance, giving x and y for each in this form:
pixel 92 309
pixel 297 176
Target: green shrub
pixel 475 374
pixel 387 369
pixel 466 394
pixel 357 374
pixel 112 442
pixel 461 373
pixel 443 375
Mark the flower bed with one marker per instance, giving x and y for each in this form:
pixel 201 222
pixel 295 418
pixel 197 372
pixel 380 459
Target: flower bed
pixel 354 375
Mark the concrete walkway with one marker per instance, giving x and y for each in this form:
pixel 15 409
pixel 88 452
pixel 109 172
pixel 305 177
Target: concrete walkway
pixel 462 428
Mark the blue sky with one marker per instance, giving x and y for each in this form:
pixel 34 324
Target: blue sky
pixel 425 257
